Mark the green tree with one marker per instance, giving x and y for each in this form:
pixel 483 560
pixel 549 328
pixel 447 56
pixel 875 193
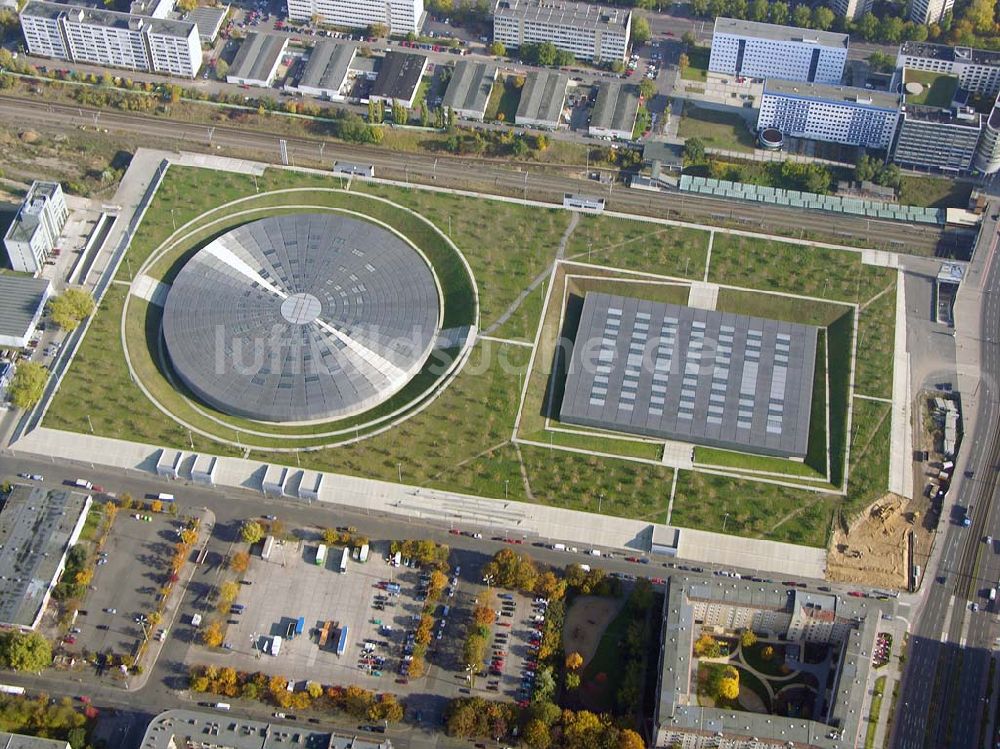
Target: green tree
pixel 251 531
pixel 572 680
pixel 707 646
pixel 24 651
pixel 647 89
pixel 497 49
pixel 801 16
pixel 747 638
pixel 881 62
pixel 28 384
pixel 759 10
pixel 780 13
pixel 890 29
pixel 537 734
pixel 629 739
pixel 186 6
pixel 70 308
pixel 378 30
pixel 822 17
pixel 640 30
pixel 221 69
pixel 694 151
pixel 981 14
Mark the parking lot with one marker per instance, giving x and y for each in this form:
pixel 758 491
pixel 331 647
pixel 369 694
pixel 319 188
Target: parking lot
pixel 364 601
pixel 138 554
pixel 514 640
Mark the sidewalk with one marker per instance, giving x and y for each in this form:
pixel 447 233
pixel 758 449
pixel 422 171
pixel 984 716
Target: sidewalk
pixel 518 519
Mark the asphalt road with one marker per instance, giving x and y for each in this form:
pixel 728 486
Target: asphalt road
pixel 521 180
pixel 943 693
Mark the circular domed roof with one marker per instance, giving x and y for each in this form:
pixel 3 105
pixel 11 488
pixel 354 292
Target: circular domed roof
pixel 301 318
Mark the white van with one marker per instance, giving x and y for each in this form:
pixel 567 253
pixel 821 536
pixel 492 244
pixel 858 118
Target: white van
pixel 225 706
pixel 164 497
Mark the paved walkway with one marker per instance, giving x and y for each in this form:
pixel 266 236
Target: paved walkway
pixel 901 429
pixel 519 519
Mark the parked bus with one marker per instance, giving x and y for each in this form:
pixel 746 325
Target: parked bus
pixel 321 555
pixel 343 559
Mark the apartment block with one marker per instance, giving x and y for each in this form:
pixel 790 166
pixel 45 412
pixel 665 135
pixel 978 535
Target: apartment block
pixel 399 16
pixel 764 50
pixel 111 39
pixel 590 32
pixel 930 11
pixel 839 114
pixel 36 227
pixel 977 70
pixel 943 140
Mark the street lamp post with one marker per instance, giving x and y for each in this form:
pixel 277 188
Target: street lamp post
pixel 600 502
pixel 724 521
pixel 506 483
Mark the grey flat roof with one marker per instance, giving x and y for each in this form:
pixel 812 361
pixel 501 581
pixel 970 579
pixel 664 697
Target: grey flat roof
pixel 777 33
pixel 328 65
pixel 542 96
pixel 862 97
pixel 920 113
pixel 470 86
pixel 301 317
pixel 694 375
pixel 616 107
pixel 578 15
pixel 257 56
pixel 966 55
pixel 109 18
pixel 179 728
pixel 20 298
pixel 36 525
pixel 208 19
pixel 20 741
pixel 399 75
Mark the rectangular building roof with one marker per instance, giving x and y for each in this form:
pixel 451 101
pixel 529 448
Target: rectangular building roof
pixel 208 20
pixel 862 97
pixel 399 75
pixel 542 96
pixel 109 18
pixel 20 741
pixel 955 117
pixel 967 55
pixel 470 86
pixel 36 526
pixel 693 375
pixel 257 57
pixel 328 65
pixel 616 107
pixel 20 299
pixel 578 15
pixel 774 32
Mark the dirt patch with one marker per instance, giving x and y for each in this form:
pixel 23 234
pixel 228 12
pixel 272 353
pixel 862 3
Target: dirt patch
pixel 586 621
pixel 750 701
pixel 874 550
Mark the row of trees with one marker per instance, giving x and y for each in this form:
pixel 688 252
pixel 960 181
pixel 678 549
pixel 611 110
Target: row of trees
pixel 428 553
pixel 360 703
pixel 477 638
pixel 869 169
pixel 788 174
pixel 542 725
pixel 47 718
pixel 514 571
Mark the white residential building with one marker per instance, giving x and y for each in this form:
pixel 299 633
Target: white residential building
pixel 764 50
pixel 929 11
pixel 399 16
pixel 839 114
pixel 108 38
pixel 977 70
pixel 37 226
pixel 852 10
pixel 590 32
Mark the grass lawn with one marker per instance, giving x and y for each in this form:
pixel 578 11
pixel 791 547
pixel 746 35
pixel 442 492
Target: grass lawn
pixel 755 659
pixel 869 455
pixel 934 192
pixel 642 123
pixel 716 129
pixel 607 659
pixel 755 685
pixel 876 346
pixel 504 99
pixel 639 245
pixel 697 69
pixel 938 88
pixel 798 269
pixel 873 712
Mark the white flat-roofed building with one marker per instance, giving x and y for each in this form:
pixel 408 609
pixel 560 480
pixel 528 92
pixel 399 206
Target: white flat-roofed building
pixel 590 32
pixel 852 10
pixel 36 227
pixel 764 50
pixel 977 70
pixel 111 39
pixel 839 114
pixel 399 16
pixel 929 11
pixel 22 302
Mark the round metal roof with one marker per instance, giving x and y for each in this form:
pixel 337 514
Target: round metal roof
pixel 302 317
